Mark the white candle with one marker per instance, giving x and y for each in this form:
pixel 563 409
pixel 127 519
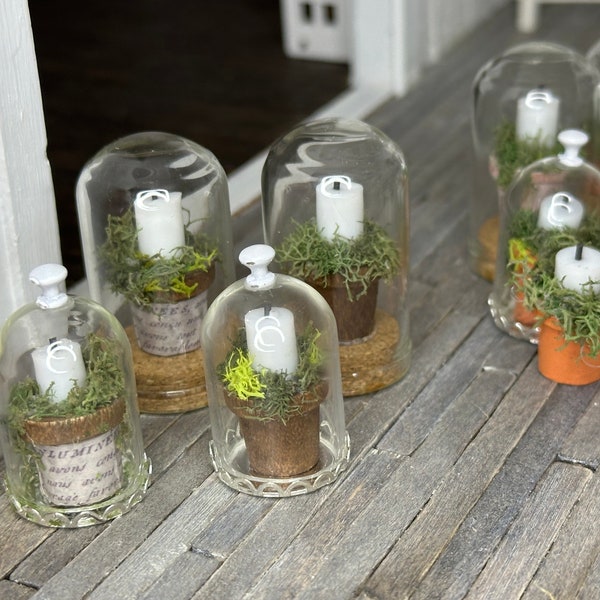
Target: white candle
pixel 271 339
pixel 537 116
pixel 559 211
pixel 60 363
pixel 576 266
pixel 159 221
pixel 340 207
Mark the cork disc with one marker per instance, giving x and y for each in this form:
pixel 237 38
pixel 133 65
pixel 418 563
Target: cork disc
pixel 370 365
pixel 168 384
pixel 488 242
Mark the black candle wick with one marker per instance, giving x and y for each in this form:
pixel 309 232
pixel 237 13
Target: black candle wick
pixel 267 309
pixel 578 251
pixel 336 186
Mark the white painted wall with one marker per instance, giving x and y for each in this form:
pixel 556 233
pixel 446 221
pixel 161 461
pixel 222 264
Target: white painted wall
pixel 28 223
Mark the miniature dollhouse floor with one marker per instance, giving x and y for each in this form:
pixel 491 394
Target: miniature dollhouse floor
pixel 473 477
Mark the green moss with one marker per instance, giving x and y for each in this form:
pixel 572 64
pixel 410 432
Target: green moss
pixel 104 383
pixel 306 254
pixel 513 154
pixel 267 395
pixel 532 252
pixel 138 276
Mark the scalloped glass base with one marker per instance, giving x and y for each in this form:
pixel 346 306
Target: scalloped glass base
pixel 84 516
pixel 504 319
pixel 234 470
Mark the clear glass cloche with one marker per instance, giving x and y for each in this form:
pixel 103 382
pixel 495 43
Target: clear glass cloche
pixel 156 232
pixel 274 386
pixel 70 427
pixel 521 100
pixel 554 203
pixel 335 208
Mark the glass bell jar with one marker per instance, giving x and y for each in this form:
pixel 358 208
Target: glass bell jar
pixel 554 203
pixel 157 242
pixel 70 427
pixel 274 386
pixel 521 100
pixel 335 208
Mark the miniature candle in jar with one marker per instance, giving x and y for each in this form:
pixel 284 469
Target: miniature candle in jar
pixel 340 207
pixel 537 116
pixel 159 222
pixel 59 364
pixel 559 211
pixel 271 339
pixel 576 267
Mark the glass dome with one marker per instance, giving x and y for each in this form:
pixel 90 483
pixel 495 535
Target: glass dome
pixel 70 431
pixel 521 100
pixel 156 232
pixel 552 204
pixel 274 388
pixel 335 208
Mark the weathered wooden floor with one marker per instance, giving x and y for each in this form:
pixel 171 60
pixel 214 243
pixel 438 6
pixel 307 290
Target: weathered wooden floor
pixel 474 477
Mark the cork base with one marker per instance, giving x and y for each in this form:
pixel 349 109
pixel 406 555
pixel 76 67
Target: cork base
pixel 370 364
pixel 487 239
pixel 168 384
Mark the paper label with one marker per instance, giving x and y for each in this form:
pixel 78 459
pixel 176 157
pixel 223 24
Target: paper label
pixel 82 473
pixel 169 329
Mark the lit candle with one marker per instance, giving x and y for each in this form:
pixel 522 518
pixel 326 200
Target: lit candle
pixel 271 339
pixel 159 221
pixel 559 211
pixel 340 207
pixel 576 266
pixel 537 116
pixel 59 363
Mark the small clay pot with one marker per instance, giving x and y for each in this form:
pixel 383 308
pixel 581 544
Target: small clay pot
pixel 55 431
pixel 281 449
pixel 354 313
pixel 565 362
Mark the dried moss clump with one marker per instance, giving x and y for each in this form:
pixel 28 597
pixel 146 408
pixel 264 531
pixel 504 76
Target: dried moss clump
pixel 306 254
pixel 138 276
pixel 268 395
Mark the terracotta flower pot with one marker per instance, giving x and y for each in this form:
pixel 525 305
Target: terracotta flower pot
pixel 81 462
pixel 354 314
pixel 565 362
pixel 281 449
pixel 170 325
pixel 524 315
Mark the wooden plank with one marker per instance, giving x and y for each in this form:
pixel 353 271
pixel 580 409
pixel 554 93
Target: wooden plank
pixel 18 537
pixel 104 554
pixel 475 540
pixel 325 514
pixel 589 590
pixel 178 432
pixel 14 591
pixel 486 344
pixel 509 571
pixel 582 447
pixel 166 544
pixel 377 528
pixel 413 555
pixel 573 554
pixel 386 405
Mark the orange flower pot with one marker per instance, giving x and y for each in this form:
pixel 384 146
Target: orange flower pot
pixel 565 362
pixel 524 315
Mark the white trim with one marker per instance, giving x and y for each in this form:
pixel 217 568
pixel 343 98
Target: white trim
pixel 28 227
